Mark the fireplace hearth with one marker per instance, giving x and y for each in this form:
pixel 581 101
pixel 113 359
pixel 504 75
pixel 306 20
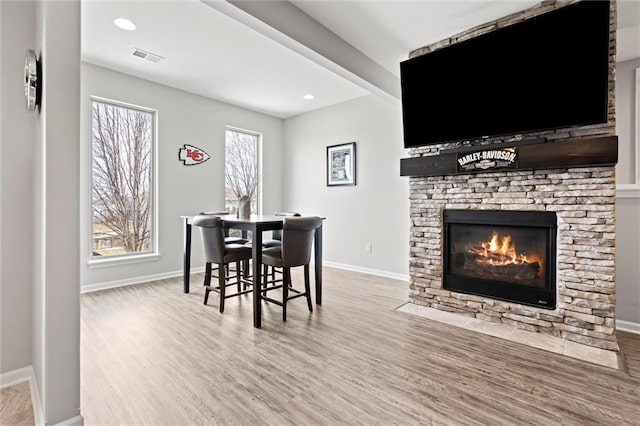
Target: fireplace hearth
pixel 506 255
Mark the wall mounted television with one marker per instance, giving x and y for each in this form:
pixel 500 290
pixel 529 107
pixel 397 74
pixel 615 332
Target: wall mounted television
pixel 547 72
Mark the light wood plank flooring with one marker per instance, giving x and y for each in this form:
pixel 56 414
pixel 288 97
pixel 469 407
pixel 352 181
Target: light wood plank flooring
pixel 15 405
pixel 153 355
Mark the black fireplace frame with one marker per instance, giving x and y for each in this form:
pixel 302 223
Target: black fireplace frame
pixel 525 295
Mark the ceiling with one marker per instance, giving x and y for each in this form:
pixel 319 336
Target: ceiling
pixel 265 55
pixel 387 31
pixel 210 54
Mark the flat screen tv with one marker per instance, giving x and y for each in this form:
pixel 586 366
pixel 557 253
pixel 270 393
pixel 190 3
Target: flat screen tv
pixel 547 72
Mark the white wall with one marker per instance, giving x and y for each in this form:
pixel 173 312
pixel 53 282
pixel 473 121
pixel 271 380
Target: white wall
pixel 183 118
pixel 56 343
pixel 628 196
pixel 625 121
pixel 16 181
pixel 374 211
pixel 628 260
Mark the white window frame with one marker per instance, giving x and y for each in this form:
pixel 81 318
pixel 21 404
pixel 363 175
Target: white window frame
pixel 129 258
pixel 258 136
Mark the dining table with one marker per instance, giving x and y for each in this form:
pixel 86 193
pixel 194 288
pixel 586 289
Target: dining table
pixel 256 224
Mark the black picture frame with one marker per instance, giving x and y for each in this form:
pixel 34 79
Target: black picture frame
pixel 341 164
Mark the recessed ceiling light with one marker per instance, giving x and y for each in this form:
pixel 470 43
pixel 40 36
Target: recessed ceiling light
pixel 124 24
pixel 308 96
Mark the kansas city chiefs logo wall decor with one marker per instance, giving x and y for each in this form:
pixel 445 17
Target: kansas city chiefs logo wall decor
pixel 191 155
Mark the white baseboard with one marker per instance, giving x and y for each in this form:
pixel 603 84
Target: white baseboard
pixel 377 272
pixel 628 326
pixel 74 421
pixel 136 280
pixel 14 377
pixel 21 375
pixel 36 401
pixel 172 274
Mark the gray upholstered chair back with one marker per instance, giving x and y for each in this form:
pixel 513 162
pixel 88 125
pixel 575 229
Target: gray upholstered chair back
pixel 297 239
pixel 212 237
pixel 277 234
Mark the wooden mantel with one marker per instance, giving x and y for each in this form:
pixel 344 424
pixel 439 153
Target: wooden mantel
pixel 582 152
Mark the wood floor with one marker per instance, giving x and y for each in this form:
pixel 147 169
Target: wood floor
pixel 153 355
pixel 15 405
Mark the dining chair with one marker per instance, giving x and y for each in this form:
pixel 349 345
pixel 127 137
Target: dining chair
pixel 276 241
pixel 276 235
pixel 221 253
pixel 295 250
pixel 227 240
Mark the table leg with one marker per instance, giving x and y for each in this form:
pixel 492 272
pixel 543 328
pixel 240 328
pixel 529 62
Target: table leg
pixel 317 248
pixel 186 230
pixel 257 278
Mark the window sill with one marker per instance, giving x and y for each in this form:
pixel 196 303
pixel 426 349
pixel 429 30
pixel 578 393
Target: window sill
pixel 123 260
pixel 628 190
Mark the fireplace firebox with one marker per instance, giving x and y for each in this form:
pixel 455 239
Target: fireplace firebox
pixel 505 255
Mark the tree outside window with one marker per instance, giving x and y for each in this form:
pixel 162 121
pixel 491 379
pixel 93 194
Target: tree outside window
pixel 122 172
pixel 241 170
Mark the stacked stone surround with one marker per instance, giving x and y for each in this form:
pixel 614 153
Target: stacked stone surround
pixel 584 201
pixel 582 198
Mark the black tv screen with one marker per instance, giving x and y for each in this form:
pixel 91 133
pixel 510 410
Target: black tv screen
pixel 547 72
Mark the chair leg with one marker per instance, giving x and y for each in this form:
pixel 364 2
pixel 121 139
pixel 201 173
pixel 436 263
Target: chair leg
pixel 286 278
pixel 223 283
pixel 245 268
pixel 238 276
pixel 207 281
pixel 307 287
pixel 207 274
pixel 244 283
pixel 265 273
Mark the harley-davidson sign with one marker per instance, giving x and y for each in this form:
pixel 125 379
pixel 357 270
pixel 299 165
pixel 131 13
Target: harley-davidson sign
pixel 488 159
pixel 191 155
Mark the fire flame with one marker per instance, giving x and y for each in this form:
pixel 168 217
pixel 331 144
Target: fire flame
pixel 501 251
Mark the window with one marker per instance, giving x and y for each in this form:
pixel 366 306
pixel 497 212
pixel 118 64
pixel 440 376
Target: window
pixel 123 141
pixel 242 183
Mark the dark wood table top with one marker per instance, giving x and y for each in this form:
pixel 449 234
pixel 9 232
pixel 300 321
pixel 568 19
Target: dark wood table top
pixel 263 220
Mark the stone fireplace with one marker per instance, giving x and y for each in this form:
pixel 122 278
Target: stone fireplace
pixel 583 200
pixel 555 276
pixel 505 255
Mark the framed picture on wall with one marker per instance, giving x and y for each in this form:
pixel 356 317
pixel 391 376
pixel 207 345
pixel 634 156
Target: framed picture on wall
pixel 341 164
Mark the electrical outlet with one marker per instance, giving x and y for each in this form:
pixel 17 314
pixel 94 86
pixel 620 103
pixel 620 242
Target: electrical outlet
pixel 367 247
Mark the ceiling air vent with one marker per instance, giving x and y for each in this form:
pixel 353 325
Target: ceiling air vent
pixel 151 57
